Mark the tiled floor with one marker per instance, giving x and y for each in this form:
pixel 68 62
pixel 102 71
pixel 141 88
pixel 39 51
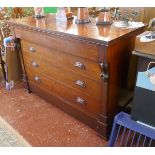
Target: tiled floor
pixel 42 124
pixel 9 137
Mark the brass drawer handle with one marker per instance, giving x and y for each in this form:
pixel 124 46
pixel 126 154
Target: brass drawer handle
pixel 34 64
pixel 80 83
pixel 32 49
pixel 79 65
pixel 80 100
pixel 37 79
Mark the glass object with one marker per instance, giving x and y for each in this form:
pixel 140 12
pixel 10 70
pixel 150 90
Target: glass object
pixel 63 14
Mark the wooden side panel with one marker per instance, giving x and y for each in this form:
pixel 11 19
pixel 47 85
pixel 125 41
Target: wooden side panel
pixel 121 77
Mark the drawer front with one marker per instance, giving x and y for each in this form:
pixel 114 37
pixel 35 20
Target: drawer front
pixel 83 84
pixel 69 62
pixel 70 96
pixel 63 44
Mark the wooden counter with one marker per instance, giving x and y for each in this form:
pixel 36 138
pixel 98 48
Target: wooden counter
pixel 145 53
pixel 82 69
pixel 144 48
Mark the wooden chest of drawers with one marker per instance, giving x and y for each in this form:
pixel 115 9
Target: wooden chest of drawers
pixel 81 69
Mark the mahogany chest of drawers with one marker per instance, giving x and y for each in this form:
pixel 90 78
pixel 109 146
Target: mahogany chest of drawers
pixel 81 69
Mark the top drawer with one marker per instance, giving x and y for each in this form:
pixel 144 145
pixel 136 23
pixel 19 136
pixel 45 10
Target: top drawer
pixel 63 44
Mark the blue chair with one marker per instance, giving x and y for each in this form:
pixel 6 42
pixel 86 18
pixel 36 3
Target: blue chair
pixel 127 132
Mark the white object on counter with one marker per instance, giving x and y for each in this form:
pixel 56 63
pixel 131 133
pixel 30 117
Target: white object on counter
pixel 121 24
pixel 144 39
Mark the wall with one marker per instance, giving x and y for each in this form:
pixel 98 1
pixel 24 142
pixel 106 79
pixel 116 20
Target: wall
pixel 149 13
pixel 145 13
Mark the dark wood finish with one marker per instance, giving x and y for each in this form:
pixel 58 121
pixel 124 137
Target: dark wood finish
pixel 70 80
pixel 85 50
pixel 64 92
pixel 60 59
pixel 88 33
pixel 56 54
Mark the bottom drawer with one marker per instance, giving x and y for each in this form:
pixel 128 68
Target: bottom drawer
pixel 103 129
pixel 72 97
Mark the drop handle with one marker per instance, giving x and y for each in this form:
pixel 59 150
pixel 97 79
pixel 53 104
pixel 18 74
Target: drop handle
pixel 104 71
pixel 80 101
pixel 34 64
pixel 80 83
pixel 79 65
pixel 37 79
pixel 32 49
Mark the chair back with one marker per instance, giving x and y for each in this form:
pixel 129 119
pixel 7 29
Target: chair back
pixel 129 133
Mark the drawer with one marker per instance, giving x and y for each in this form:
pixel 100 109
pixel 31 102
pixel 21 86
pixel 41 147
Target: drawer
pixel 83 84
pixel 69 62
pixel 72 97
pixel 63 44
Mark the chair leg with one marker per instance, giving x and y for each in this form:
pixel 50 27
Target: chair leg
pixel 2 65
pixel 3 70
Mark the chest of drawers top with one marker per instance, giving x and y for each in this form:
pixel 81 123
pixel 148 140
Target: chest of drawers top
pixel 87 32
